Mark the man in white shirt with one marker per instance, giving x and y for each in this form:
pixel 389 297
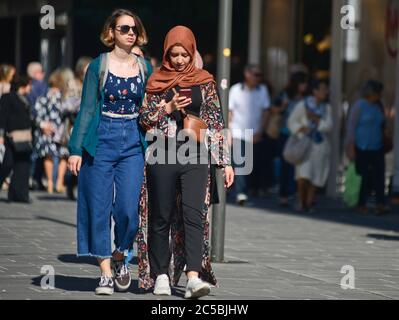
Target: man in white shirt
pixel 248 102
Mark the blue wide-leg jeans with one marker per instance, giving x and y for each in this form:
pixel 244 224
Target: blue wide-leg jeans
pixel 109 186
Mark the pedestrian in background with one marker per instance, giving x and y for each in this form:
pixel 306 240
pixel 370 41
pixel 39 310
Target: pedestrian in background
pixel 39 89
pixel 7 72
pixel 47 115
pixel 312 117
pixel 39 86
pixel 16 135
pixel 365 144
pixel 284 105
pixel 248 102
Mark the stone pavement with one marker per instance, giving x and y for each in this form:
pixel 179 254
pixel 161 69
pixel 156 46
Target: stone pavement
pixel 270 253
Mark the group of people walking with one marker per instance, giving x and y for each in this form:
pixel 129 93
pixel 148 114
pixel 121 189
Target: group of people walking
pixel 300 110
pixel 299 121
pixel 37 147
pixel 128 122
pixel 162 204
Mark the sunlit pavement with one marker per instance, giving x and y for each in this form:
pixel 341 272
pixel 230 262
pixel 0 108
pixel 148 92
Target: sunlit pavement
pixel 270 253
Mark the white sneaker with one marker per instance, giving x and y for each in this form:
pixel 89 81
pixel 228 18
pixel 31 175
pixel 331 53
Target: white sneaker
pixel 241 198
pixel 162 286
pixel 197 288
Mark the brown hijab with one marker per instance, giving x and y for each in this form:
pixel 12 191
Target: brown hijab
pixel 167 77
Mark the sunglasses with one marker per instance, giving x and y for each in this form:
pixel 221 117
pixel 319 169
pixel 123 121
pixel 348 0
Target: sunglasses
pixel 125 29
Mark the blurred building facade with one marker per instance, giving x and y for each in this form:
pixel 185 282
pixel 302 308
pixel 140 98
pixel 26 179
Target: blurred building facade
pixel 299 31
pixel 285 33
pixel 276 34
pixel 78 24
pixel 27 41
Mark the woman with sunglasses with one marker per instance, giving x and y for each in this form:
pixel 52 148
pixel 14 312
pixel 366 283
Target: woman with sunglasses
pixel 106 149
pixel 179 192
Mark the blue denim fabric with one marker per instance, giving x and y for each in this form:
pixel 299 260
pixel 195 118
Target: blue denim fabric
pixel 109 184
pixel 240 181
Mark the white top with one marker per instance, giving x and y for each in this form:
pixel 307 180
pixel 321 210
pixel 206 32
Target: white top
pixel 247 107
pixel 316 167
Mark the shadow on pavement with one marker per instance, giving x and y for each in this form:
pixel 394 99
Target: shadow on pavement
pixel 178 292
pixel 385 237
pixel 80 284
pixel 56 221
pixel 70 283
pixel 60 197
pixel 72 258
pixel 328 210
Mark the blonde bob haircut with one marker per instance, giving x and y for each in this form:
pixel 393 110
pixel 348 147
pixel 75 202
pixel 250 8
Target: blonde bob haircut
pixel 110 23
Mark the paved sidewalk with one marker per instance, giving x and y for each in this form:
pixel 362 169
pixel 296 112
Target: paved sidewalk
pixel 270 253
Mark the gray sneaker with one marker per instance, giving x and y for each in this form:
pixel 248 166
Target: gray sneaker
pixel 197 288
pixel 162 286
pixel 122 276
pixel 105 287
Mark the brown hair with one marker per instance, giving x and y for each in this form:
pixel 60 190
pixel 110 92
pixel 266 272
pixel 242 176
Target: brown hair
pixel 56 80
pixel 5 72
pixel 80 67
pixel 110 23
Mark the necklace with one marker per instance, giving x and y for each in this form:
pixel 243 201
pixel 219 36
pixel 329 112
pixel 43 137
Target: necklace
pixel 129 61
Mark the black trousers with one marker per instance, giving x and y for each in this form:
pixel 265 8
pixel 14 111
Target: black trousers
pixel 163 181
pixel 370 165
pixel 262 174
pixel 19 164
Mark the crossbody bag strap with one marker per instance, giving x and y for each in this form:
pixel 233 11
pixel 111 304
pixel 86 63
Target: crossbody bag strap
pixel 101 71
pixel 143 68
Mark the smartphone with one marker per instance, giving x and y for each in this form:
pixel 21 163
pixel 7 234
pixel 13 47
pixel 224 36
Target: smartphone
pixel 185 93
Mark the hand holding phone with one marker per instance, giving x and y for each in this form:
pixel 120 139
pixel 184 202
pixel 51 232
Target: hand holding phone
pixel 187 93
pixel 179 101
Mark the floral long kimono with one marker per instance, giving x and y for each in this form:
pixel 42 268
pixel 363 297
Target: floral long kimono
pixel 153 115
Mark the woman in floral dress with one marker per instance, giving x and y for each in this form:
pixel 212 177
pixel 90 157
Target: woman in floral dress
pixel 176 196
pixel 47 115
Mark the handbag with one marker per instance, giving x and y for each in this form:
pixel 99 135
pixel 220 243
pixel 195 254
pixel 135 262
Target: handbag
pixel 297 149
pixel 195 126
pixel 21 140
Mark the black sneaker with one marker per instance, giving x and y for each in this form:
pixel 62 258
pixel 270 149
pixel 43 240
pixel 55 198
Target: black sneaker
pixel 106 286
pixel 121 275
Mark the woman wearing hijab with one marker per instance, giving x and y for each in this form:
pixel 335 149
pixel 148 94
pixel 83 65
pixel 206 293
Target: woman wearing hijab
pixel 178 194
